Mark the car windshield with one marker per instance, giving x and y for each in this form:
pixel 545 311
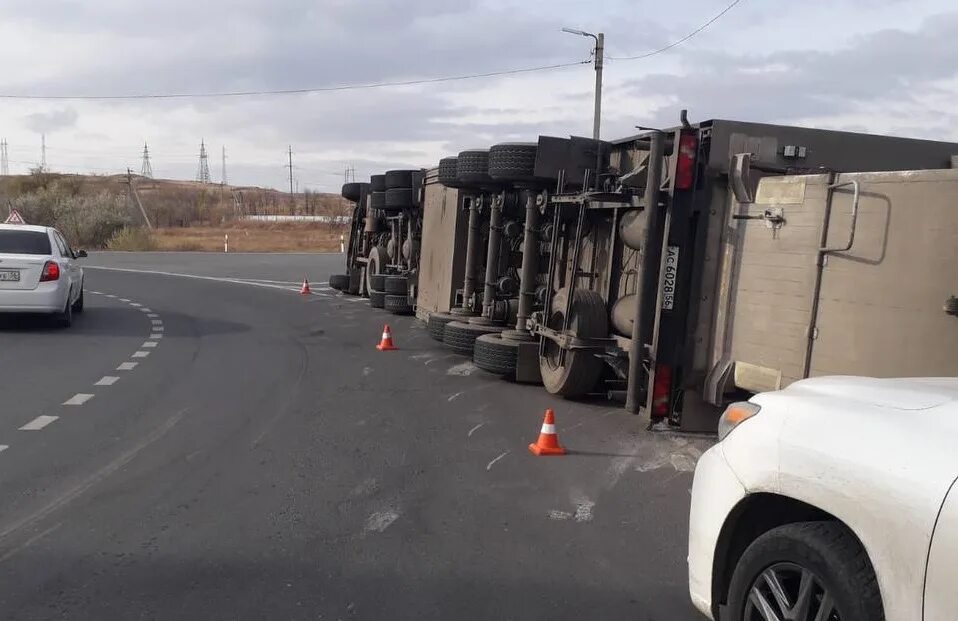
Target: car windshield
pixel 24 242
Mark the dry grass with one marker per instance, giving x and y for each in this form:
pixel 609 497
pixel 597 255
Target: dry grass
pixel 251 237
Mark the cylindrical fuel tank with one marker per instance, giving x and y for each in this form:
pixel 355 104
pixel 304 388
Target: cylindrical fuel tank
pixel 623 314
pixel 630 228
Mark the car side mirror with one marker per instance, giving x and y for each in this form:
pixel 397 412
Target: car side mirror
pixel 80 254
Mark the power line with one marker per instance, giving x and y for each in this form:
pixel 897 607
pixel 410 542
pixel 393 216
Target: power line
pixel 679 42
pixel 299 91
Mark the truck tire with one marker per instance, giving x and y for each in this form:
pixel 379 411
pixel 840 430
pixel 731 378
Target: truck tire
pixel 397 285
pixel 496 355
pixel 377 299
pixel 377 282
pixel 398 198
pixel 398 304
pixel 447 172
pixel 376 262
pixel 825 554
pixel 339 282
pixel 377 200
pixel 398 179
pixel 461 337
pixel 436 324
pixel 513 161
pixel 355 281
pixel 581 368
pixel 377 183
pixel 472 167
pixel 353 191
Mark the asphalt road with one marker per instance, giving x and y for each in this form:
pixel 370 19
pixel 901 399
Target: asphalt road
pixel 262 460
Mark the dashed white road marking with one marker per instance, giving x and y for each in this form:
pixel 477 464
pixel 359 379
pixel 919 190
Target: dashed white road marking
pixel 110 295
pixel 156 322
pixel 152 315
pixel 145 310
pixel 158 328
pixel 137 304
pixel 140 354
pixel 492 463
pixel 127 366
pixel 149 344
pixel 95 292
pixel 107 380
pixel 123 300
pixel 39 423
pixel 156 336
pixel 78 399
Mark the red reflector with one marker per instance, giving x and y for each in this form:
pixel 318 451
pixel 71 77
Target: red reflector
pixel 685 165
pixel 661 389
pixel 51 271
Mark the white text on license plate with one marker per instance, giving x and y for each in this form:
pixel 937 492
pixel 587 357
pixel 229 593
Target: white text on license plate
pixel 10 275
pixel 668 282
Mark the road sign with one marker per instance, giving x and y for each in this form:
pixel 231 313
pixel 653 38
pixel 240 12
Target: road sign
pixel 14 218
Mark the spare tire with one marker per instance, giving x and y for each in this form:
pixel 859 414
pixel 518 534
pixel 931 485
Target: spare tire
pixel 339 282
pixel 399 198
pixel 513 161
pixel 377 299
pixel 398 304
pixel 461 336
pixel 581 369
pixel 447 172
pixel 472 167
pixel 377 200
pixel 398 178
pixel 495 354
pixel 397 285
pixel 436 324
pixel 353 191
pixel 377 183
pixel 377 282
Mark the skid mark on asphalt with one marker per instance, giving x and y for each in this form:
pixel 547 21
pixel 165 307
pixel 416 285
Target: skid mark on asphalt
pixel 380 521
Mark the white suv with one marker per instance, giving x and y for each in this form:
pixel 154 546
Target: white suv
pixel 39 272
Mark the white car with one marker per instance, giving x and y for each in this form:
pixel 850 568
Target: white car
pixel 833 499
pixel 39 272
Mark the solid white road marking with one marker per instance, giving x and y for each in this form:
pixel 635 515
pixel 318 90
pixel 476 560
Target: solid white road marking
pixel 491 463
pixel 140 354
pixel 78 399
pixel 127 366
pixel 235 281
pixel 107 380
pixel 149 344
pixel 156 336
pixel 39 423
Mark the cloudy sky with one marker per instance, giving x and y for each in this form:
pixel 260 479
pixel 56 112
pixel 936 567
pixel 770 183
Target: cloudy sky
pixel 883 66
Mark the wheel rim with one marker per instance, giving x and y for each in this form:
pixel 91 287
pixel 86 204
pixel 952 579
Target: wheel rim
pixel 789 592
pixel 551 349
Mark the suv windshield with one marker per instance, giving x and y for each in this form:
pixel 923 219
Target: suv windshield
pixel 24 242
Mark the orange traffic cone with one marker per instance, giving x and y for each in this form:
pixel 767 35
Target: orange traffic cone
pixel 305 288
pixel 387 343
pixel 548 443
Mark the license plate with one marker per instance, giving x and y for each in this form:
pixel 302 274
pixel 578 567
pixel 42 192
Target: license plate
pixel 10 275
pixel 668 283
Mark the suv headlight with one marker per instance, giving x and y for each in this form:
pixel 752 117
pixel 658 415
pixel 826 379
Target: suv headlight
pixel 734 415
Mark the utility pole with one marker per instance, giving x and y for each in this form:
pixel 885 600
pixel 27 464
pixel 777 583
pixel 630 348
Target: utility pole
pixel 43 152
pixel 4 158
pixel 599 61
pixel 203 170
pixel 223 173
pixel 290 167
pixel 146 169
pixel 136 198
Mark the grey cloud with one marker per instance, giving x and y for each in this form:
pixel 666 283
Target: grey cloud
pixel 47 122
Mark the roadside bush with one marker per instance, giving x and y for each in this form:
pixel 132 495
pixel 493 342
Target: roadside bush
pixel 87 221
pixel 132 239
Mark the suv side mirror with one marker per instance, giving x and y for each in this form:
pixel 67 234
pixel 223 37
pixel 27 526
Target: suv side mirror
pixel 80 254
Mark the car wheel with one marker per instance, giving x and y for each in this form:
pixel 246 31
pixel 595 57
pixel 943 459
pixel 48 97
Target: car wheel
pixel 65 319
pixel 78 305
pixel 806 571
pixel 578 371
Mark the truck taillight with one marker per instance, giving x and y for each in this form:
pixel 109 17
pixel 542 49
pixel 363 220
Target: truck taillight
pixel 51 271
pixel 685 164
pixel 661 389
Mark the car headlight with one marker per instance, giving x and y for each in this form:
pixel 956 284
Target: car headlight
pixel 734 415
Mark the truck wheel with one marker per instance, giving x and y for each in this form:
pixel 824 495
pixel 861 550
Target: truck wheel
pixel 398 179
pixel 355 281
pixel 581 369
pixel 377 282
pixel 823 557
pixel 397 285
pixel 398 198
pixel 447 172
pixel 398 304
pixel 377 183
pixel 339 282
pixel 436 324
pixel 513 161
pixel 353 191
pixel 377 299
pixel 472 167
pixel 377 200
pixel 375 265
pixel 461 337
pixel 496 355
